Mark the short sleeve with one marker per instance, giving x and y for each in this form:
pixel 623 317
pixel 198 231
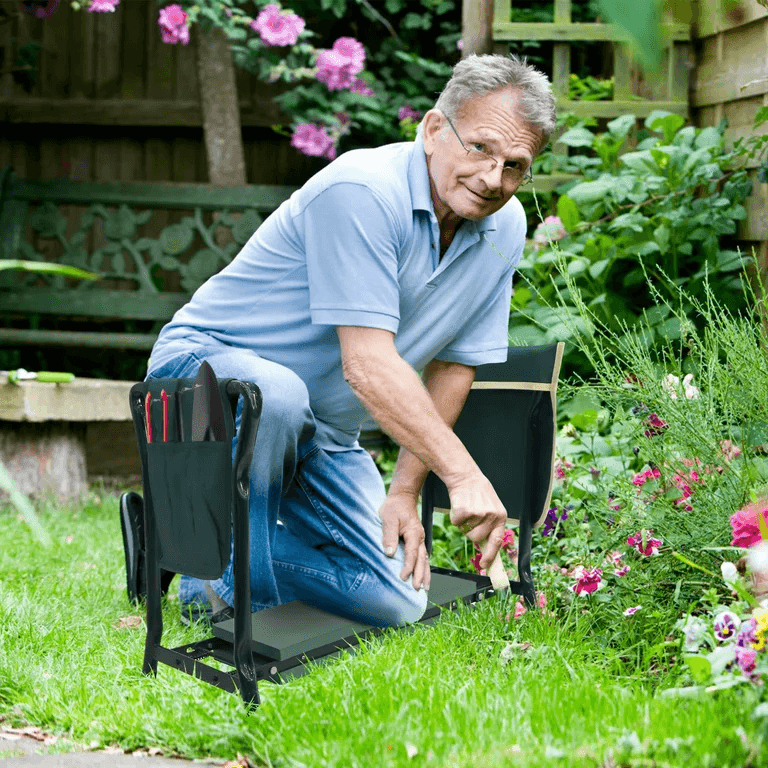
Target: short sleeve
pixel 485 337
pixel 351 244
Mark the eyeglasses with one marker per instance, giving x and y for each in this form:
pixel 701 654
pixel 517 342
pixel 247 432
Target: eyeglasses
pixel 512 175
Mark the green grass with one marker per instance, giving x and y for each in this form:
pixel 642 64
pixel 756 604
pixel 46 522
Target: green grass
pixel 585 692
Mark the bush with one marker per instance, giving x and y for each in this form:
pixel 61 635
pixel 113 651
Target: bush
pixel 661 212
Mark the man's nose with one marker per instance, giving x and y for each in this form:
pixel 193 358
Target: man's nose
pixel 493 177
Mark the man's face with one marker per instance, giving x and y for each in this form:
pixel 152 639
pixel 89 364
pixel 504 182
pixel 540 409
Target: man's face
pixel 465 185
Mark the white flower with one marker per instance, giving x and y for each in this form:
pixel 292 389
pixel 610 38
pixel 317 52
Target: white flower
pixel 757 558
pixel 670 383
pixel 730 574
pixel 691 392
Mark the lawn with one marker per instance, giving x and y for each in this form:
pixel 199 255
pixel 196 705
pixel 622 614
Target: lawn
pixel 573 686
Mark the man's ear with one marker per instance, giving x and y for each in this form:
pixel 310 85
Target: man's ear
pixel 433 124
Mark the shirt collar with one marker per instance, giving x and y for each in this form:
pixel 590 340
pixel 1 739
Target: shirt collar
pixel 421 194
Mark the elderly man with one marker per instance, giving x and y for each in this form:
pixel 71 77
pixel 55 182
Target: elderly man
pixel 388 261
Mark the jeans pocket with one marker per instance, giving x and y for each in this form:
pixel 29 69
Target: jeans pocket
pixel 191 488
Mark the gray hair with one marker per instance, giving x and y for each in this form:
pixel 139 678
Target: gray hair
pixel 477 76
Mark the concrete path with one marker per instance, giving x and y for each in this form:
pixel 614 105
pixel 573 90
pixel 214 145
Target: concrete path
pixel 22 750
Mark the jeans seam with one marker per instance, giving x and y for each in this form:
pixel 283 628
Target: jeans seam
pixel 335 535
pixel 302 569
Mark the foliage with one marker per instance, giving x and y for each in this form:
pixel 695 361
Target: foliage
pixel 659 211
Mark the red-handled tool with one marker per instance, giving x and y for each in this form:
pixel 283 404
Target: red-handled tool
pixel 148 416
pixel 164 398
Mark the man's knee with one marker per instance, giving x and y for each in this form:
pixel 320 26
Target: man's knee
pixel 402 607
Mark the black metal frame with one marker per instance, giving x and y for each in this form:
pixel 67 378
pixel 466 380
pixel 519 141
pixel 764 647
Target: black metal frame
pixel 187 658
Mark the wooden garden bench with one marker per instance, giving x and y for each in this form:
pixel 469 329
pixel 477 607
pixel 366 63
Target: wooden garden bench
pixel 151 245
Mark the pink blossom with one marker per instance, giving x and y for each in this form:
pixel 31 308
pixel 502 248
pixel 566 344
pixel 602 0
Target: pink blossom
pixel 173 24
pixel 313 140
pixel 360 86
pixel 561 466
pixel 730 450
pixel 508 542
pixel 623 571
pixel 103 6
pixel 651 546
pixel 276 27
pixel 550 229
pixel 521 608
pixel 352 51
pixel 655 425
pixel 338 66
pixel 746 658
pixel 633 610
pixel 641 478
pixel 744 525
pixel 408 112
pixel 476 563
pixel 460 45
pixel 588 580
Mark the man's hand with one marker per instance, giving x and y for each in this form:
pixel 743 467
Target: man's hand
pixel 400 520
pixel 478 513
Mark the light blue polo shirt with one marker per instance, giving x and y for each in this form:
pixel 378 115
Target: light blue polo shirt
pixel 358 245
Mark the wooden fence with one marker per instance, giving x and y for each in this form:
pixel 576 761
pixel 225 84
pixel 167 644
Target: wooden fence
pixel 111 101
pixel 731 82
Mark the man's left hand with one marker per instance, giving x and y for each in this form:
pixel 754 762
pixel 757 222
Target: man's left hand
pixel 400 520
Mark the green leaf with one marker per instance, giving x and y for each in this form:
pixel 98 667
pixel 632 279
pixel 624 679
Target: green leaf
pixel 641 22
pixel 669 125
pixel 47 267
pixel 591 191
pixel 568 213
pixel 761 116
pixel 700 668
pixel 22 504
pixel 621 126
pixel 577 137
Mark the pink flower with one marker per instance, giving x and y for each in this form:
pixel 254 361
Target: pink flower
pixel 641 478
pixel 633 610
pixel 338 66
pixel 655 425
pixel 746 658
pixel 508 542
pixel 313 140
pixel 550 229
pixel 649 547
pixel 588 580
pixel 476 563
pixel 408 112
pixel 460 44
pixel 744 525
pixel 276 27
pixel 520 607
pixel 173 24
pixel 352 51
pixel 103 6
pixel 730 450
pixel 623 571
pixel 561 467
pixel 360 86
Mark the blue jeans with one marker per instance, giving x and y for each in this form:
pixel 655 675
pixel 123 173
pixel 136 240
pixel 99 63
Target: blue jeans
pixel 315 531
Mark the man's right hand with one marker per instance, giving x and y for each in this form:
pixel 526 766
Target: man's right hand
pixel 478 513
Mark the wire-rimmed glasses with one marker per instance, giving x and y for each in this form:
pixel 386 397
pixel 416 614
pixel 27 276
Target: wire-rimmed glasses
pixel 513 175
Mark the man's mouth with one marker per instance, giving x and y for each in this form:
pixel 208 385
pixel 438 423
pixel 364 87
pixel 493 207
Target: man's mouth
pixel 481 197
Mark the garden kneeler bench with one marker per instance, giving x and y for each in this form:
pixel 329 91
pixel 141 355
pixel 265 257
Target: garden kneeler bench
pixel 517 427
pixel 195 503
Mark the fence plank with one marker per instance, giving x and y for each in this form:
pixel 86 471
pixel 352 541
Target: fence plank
pixel 575 32
pixel 717 16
